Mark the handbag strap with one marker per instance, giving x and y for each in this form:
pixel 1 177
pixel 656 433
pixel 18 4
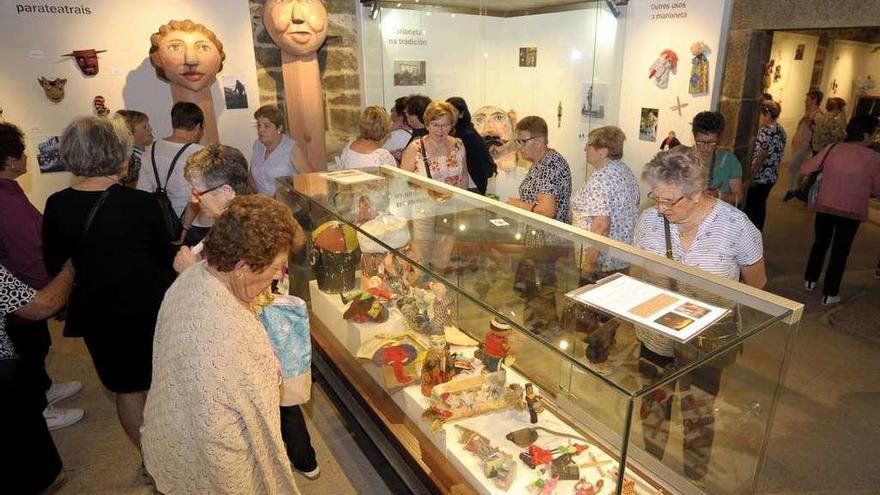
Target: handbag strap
pixel 425 158
pixel 94 211
pixel 672 282
pixel 170 168
pixel 822 163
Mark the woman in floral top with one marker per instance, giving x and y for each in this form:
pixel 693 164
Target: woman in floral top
pixel 438 155
pixel 767 154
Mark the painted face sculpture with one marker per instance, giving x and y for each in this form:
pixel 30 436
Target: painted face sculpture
pixel 186 54
pixel 496 127
pixel 54 88
pixel 298 27
pixel 86 60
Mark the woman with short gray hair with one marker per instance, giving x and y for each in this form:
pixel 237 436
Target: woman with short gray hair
pixel 117 240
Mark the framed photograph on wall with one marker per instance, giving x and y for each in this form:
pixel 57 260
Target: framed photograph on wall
pixel 528 56
pixel 593 98
pixel 409 73
pixel 799 52
pixel 235 92
pixel 648 124
pixel 49 156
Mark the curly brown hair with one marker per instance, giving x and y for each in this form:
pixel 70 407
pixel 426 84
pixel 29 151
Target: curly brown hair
pixel 254 229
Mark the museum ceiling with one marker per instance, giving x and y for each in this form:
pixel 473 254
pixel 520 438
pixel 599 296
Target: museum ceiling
pixel 500 8
pixel 863 35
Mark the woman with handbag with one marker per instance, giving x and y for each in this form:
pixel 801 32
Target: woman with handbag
pixel 850 175
pixel 211 422
pixel 695 228
pixel 117 239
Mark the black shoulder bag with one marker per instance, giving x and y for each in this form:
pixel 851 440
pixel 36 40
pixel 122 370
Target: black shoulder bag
pixel 172 221
pixel 710 339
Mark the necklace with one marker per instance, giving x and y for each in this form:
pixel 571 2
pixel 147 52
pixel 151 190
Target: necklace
pixel 699 217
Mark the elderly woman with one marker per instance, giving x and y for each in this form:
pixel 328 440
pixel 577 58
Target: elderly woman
pixel 850 176
pixel 766 157
pixel 366 150
pixel 829 127
pixel 706 233
pixel 546 189
pixel 274 154
pixel 438 155
pixel 608 204
pixel 725 170
pixel 211 423
pixel 35 466
pixel 117 240
pixel 139 125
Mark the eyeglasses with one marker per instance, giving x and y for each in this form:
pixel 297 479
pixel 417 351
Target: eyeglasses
pixel 665 203
pixel 438 125
pixel 706 143
pixel 766 111
pixel 523 142
pixel 198 194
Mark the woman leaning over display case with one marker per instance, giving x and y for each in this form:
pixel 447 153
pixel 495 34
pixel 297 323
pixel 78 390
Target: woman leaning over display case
pixel 211 422
pixel 691 227
pixel 546 190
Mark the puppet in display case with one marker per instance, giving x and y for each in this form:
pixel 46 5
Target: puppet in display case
pixel 299 28
pixel 188 55
pixel 496 347
pixel 439 364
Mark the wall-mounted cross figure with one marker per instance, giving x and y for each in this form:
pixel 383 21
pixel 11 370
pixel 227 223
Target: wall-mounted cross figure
pixel 679 106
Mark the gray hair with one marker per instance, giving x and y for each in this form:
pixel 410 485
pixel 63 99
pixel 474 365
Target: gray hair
pixel 96 146
pixel 216 165
pixel 680 168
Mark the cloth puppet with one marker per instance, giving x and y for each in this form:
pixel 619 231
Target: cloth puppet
pixel 396 356
pixel 100 105
pixel 699 82
pixel 495 347
pixel 665 64
pixel 86 60
pixel 439 365
pixel 53 88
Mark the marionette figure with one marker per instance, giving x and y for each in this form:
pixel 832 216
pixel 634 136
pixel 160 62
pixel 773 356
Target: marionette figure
pixel 441 316
pixel 699 82
pixel 439 365
pixel 534 403
pixel 660 70
pixel 495 347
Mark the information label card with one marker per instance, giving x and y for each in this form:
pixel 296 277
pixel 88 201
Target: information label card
pixel 669 313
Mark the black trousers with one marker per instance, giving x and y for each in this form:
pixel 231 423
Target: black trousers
pixel 756 203
pixel 297 440
pixel 29 461
pixel 32 341
pixel 837 232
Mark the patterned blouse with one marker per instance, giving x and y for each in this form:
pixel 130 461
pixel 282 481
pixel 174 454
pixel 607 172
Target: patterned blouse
pixel 13 295
pixel 549 175
pixel 828 128
pixel 772 140
pixel 614 192
pixel 447 168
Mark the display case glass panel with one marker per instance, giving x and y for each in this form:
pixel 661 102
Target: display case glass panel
pixel 694 422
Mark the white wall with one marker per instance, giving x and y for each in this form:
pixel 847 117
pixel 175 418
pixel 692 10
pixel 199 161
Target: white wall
pixel 848 62
pixel 477 58
pixel 645 38
pixel 126 78
pixel 795 76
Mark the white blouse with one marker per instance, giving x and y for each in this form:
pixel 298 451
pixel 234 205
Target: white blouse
pixel 355 159
pixel 264 169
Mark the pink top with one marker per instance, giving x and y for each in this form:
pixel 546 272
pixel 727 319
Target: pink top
pixel 851 175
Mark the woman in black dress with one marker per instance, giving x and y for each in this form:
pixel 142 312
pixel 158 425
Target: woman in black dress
pixel 122 259
pixel 480 164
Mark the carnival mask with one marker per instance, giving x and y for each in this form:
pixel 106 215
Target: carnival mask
pixel 496 127
pixel 298 27
pixel 54 88
pixel 86 60
pixel 187 54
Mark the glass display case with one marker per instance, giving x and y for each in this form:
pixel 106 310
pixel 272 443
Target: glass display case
pixel 560 60
pixel 472 339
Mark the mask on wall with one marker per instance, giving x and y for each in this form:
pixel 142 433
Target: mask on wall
pixel 86 60
pixel 101 109
pixel 298 27
pixel 54 88
pixel 186 54
pixel 496 127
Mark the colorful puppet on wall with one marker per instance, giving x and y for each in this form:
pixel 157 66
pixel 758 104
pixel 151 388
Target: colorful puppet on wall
pixel 665 65
pixel 100 104
pixel 768 73
pixel 54 88
pixel 189 56
pixel 299 28
pixel 699 82
pixel 86 60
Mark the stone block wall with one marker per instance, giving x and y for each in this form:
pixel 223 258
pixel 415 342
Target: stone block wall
pixel 338 59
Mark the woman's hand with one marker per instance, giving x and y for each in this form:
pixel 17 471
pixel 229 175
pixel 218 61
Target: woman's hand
pixel 184 259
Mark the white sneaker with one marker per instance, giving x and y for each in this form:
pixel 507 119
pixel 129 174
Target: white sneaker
pixel 313 473
pixel 57 418
pixel 830 300
pixel 61 391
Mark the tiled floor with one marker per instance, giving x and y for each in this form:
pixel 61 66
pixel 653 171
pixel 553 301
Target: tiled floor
pixel 823 441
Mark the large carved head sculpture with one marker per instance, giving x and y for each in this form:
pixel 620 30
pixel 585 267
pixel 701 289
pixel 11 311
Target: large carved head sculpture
pixel 298 27
pixel 187 54
pixel 86 60
pixel 54 88
pixel 496 127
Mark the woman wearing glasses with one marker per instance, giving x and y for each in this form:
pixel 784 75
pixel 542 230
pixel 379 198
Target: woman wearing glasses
pixel 692 227
pixel 725 170
pixel 438 155
pixel 546 190
pixel 766 157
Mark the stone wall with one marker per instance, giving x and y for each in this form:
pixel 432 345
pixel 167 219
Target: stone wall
pixel 748 48
pixel 338 59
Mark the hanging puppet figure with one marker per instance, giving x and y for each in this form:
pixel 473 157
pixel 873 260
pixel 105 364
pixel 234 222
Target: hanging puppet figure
pixel 665 64
pixel 54 88
pixel 699 82
pixel 86 60
pixel 100 104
